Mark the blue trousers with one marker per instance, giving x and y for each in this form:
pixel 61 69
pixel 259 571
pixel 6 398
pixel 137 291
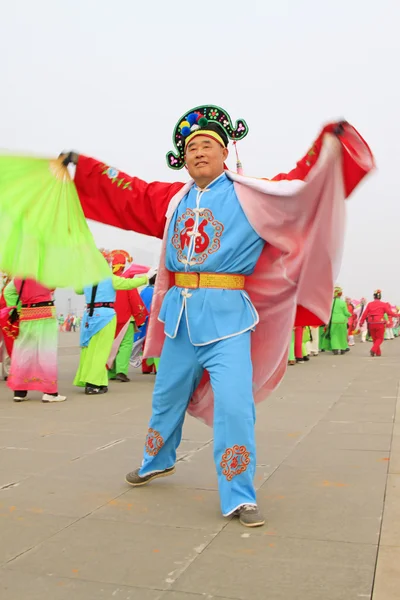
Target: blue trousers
pixel 228 363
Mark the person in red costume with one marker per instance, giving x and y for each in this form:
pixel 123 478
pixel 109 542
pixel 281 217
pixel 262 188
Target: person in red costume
pixel 299 345
pixel 374 314
pixel 351 323
pixel 131 312
pixel 272 268
pixel 34 354
pixel 7 336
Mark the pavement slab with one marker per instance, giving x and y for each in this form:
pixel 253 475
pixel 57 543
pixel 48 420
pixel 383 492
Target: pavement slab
pixel 327 479
pixel 23 530
pixel 322 504
pixel 156 505
pixel 280 568
pixel 115 552
pixel 387 581
pixel 37 587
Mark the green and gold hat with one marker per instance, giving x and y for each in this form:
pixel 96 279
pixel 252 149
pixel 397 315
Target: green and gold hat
pixel 209 120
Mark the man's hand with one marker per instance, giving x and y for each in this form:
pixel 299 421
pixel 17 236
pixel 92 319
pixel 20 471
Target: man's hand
pixel 151 275
pixel 339 128
pixel 69 157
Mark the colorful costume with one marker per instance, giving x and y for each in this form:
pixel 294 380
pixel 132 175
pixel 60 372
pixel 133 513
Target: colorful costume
pixel 61 321
pixel 149 365
pixel 34 355
pixel 292 356
pixel 396 323
pixel 97 331
pixel 306 341
pixel 389 333
pixel 313 343
pixel 301 337
pixel 335 336
pixel 214 265
pixel 131 313
pixel 374 315
pixel 351 325
pixel 6 336
pixel 359 311
pixel 322 341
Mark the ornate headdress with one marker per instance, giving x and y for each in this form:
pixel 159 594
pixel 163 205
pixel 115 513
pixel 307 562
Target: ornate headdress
pixel 209 120
pixel 337 292
pixel 119 258
pixel 378 294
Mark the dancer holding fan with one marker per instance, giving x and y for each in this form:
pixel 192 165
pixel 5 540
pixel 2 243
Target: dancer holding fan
pixel 242 261
pixel 218 280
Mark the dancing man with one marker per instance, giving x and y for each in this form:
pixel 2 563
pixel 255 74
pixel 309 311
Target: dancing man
pixel 239 255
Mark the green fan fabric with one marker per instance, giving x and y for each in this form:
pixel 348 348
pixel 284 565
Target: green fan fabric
pixel 43 231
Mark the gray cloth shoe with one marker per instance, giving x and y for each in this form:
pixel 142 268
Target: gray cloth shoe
pixel 250 516
pixel 135 479
pixel 122 377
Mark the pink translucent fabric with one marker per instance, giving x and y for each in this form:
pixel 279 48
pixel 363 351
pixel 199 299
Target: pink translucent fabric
pixel 303 225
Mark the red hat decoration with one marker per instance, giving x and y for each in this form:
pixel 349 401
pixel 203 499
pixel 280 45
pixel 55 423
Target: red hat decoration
pixel 119 258
pixel 203 118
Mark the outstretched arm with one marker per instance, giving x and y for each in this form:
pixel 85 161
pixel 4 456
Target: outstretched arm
pixel 114 198
pixel 390 313
pixel 357 159
pixel 11 294
pixel 138 309
pixel 364 316
pixel 123 283
pixel 346 311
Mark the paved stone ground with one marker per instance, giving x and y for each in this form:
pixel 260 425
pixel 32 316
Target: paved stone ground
pixel 328 471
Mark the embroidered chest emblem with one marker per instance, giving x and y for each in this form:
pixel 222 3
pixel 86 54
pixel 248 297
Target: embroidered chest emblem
pixel 196 244
pixel 234 461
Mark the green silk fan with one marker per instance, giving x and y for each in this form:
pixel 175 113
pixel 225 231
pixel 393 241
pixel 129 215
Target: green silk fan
pixel 43 231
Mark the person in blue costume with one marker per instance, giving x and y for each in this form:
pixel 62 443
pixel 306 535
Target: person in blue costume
pixel 97 331
pixel 209 328
pixel 219 231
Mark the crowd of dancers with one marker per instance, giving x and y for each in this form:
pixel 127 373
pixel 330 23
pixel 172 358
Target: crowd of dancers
pixel 351 319
pixel 71 322
pixel 114 316
pixel 114 324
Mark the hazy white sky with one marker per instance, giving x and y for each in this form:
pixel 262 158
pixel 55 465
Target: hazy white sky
pixel 111 78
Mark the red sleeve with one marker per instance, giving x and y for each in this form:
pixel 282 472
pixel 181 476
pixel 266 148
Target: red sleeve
pixel 114 198
pixel 357 158
pixel 364 315
pixel 138 309
pixel 389 311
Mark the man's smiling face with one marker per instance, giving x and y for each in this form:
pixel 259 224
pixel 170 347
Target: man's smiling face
pixel 205 159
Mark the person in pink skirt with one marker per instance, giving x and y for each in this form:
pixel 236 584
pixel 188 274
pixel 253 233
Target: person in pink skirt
pixel 34 355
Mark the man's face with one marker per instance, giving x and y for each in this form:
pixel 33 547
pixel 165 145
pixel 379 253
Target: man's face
pixel 205 158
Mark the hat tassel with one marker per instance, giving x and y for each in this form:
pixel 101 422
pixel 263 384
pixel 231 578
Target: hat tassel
pixel 239 167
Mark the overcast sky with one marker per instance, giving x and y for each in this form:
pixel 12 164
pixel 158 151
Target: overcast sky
pixel 111 78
